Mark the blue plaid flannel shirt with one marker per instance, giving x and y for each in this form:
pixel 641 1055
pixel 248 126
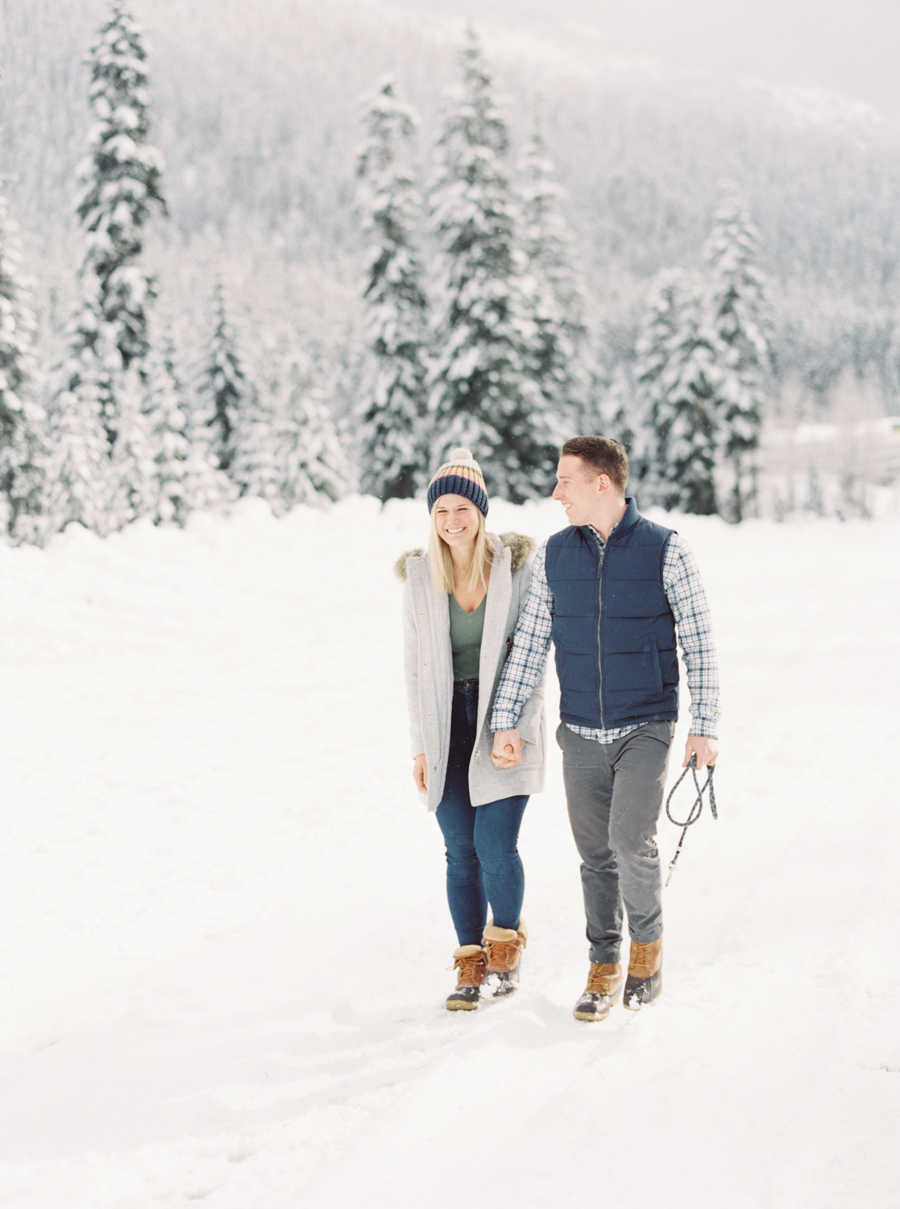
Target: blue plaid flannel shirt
pixel 687 600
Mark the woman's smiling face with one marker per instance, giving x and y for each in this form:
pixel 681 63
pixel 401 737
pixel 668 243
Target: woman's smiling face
pixel 456 520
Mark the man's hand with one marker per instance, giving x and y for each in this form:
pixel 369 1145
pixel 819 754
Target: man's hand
pixel 507 749
pixel 420 773
pixel 707 751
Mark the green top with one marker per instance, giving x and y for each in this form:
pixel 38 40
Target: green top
pixel 465 639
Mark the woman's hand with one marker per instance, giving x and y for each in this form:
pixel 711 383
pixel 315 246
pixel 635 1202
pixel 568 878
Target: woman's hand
pixel 420 773
pixel 507 750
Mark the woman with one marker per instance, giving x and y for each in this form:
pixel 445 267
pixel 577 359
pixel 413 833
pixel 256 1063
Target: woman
pixel 461 605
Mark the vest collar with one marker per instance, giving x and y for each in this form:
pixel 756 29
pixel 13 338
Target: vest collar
pixel 621 528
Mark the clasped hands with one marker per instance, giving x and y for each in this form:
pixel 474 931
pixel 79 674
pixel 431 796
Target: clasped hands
pixel 507 749
pixel 508 744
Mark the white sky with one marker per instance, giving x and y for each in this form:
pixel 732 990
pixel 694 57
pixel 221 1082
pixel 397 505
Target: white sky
pixel 851 47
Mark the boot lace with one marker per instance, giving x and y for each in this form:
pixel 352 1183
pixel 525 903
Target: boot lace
pixel 472 968
pixel 641 960
pixel 502 955
pixel 601 978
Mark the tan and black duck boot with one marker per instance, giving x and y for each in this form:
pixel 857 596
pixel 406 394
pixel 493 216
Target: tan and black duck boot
pixel 470 963
pixel 603 985
pixel 644 981
pixel 503 947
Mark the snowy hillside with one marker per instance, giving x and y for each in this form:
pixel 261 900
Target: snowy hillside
pixel 256 110
pixel 224 944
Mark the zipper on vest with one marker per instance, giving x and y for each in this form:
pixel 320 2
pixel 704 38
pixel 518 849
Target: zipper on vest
pixel 603 555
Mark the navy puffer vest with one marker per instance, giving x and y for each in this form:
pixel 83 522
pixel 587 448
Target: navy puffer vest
pixel 612 626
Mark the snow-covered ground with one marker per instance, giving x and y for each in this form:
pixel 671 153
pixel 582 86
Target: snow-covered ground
pixel 223 937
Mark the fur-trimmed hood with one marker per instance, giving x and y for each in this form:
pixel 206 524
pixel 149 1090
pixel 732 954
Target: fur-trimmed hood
pixel 521 548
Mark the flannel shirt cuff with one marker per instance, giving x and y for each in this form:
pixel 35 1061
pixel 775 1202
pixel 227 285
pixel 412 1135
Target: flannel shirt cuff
pixel 504 719
pixel 704 728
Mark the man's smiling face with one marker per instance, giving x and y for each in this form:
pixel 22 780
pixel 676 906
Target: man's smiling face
pixel 576 489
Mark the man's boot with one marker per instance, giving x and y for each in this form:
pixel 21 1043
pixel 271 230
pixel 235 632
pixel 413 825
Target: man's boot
pixel 603 985
pixel 471 965
pixel 644 981
pixel 503 947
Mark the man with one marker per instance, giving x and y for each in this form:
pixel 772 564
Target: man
pixel 610 592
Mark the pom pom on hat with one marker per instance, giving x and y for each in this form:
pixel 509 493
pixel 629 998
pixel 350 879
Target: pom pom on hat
pixel 460 475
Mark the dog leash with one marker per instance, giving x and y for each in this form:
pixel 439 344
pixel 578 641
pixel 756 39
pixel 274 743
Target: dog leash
pixel 696 809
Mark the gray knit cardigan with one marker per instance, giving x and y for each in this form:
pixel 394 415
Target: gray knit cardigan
pixel 429 674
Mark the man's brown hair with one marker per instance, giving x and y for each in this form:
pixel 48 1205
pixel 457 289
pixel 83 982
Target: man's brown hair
pixel 601 455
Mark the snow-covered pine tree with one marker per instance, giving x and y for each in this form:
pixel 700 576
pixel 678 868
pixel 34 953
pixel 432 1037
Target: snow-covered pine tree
pixel 483 393
pixel 254 467
pixel 23 454
pixel 738 316
pixel 624 405
pixel 223 387
pixel 169 447
pixel 80 474
pixel 617 411
pixel 187 478
pixel 132 469
pixel 557 299
pixel 120 189
pixel 678 374
pixel 394 382
pixel 206 487
pixel 652 351
pixel 311 457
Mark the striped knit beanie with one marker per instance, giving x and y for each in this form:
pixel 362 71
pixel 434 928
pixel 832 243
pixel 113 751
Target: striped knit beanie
pixel 461 475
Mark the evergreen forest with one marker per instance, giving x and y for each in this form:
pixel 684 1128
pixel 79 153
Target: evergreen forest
pixel 303 250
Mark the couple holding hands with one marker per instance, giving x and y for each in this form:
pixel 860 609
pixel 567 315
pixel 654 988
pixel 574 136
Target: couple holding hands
pixel 611 591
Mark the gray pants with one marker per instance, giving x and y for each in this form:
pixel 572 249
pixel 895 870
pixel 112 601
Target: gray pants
pixel 614 793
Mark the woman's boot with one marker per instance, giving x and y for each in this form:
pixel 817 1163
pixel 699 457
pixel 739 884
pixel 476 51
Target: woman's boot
pixel 470 964
pixel 503 948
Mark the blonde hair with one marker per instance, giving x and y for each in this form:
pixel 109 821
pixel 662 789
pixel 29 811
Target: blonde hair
pixel 442 566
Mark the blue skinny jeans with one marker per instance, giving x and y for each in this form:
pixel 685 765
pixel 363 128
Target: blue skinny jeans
pixel 483 863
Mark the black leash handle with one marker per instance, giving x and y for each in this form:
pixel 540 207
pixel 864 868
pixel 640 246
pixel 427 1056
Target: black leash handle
pixel 696 808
